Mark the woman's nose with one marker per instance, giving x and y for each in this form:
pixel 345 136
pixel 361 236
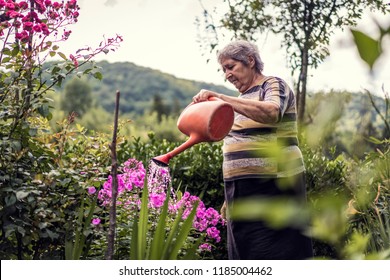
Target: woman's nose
pixel 228 74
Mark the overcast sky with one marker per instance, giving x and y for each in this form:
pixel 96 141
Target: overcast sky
pixel 162 35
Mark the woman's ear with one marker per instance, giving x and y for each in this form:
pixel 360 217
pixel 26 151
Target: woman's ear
pixel 251 61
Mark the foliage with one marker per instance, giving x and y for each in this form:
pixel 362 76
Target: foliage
pixel 77 97
pixel 42 175
pixel 42 209
pixel 345 121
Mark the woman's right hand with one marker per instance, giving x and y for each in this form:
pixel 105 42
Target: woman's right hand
pixel 204 95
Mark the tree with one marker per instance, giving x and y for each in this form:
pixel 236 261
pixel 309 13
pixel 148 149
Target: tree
pixel 77 97
pixel 159 107
pixel 306 26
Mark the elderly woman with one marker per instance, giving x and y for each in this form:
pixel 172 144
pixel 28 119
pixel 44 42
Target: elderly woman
pixel 261 155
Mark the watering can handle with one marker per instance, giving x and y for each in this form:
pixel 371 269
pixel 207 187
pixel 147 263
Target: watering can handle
pixel 211 98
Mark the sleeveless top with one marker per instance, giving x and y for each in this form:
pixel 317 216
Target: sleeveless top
pixel 264 150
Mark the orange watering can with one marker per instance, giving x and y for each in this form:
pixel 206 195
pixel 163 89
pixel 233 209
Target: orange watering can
pixel 207 121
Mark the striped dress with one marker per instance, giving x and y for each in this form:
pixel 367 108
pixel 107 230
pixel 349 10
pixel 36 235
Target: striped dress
pixel 262 150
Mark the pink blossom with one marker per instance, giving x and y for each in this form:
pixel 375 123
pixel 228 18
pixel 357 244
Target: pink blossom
pixel 91 190
pixel 10 6
pixel 37 28
pixel 45 29
pixel 205 247
pixel 213 233
pixel 96 221
pixel 157 200
pixel 28 25
pixel 23 5
pixel 22 35
pixel 57 5
pixel 14 14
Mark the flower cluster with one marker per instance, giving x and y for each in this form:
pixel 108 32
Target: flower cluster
pixel 33 27
pixel 130 184
pixel 43 18
pixel 206 219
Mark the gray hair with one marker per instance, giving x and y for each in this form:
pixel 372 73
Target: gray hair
pixel 241 51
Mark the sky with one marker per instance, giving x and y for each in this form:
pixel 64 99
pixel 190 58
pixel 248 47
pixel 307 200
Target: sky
pixel 162 35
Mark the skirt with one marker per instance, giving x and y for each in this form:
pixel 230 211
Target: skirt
pixel 255 239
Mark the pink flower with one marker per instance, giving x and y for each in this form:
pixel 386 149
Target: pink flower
pixel 37 28
pixel 57 5
pixel 91 190
pixel 28 25
pixel 23 5
pixel 45 29
pixel 75 62
pixel 10 6
pixel 213 233
pixel 96 221
pixel 14 14
pixel 205 247
pixel 22 36
pixel 157 200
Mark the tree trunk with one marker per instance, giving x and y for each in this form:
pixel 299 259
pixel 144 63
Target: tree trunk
pixel 301 87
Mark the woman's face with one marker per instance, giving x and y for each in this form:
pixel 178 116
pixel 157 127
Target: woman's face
pixel 240 75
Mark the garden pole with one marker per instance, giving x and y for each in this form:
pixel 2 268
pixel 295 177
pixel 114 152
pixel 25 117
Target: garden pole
pixel 114 187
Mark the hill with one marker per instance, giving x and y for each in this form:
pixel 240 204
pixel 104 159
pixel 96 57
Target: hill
pixel 139 86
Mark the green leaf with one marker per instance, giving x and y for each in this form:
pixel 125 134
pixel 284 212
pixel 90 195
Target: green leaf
pixel 134 239
pixel 172 234
pixel 184 231
pixel 44 110
pixel 369 49
pixel 98 76
pixel 143 223
pixel 15 50
pixel 6 59
pixel 21 194
pixel 191 252
pixel 21 230
pixel 9 230
pixel 68 249
pixel 159 235
pixel 10 200
pixel 62 56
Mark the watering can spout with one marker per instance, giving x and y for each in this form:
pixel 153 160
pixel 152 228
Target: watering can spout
pixel 162 160
pixel 208 121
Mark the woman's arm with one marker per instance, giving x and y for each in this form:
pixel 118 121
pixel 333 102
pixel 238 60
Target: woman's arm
pixel 260 111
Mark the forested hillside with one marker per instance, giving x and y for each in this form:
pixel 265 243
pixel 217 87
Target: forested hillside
pixel 141 86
